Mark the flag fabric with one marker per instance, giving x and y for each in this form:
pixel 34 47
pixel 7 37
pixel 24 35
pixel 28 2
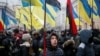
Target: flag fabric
pixel 40 15
pixel 42 2
pixel 76 17
pixel 25 3
pixel 73 27
pixel 7 20
pixel 34 2
pixel 1 26
pixel 87 8
pixel 25 22
pixel 49 6
pixel 20 15
pixel 17 13
pixel 4 18
pixel 52 6
pixel 51 10
pixel 83 14
pixel 48 11
pixel 31 18
pixel 91 6
pixel 74 13
pixel 98 6
pixel 12 20
pixel 54 3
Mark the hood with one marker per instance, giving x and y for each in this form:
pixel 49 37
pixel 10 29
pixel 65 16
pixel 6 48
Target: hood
pixel 49 43
pixel 85 35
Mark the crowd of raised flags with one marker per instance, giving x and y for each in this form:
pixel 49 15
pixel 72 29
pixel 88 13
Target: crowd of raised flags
pixel 32 13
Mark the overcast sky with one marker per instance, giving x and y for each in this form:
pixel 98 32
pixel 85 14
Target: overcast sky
pixel 12 2
pixel 63 2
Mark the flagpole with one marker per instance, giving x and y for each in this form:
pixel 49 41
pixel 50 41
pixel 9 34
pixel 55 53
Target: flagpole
pixel 66 18
pixel 92 16
pixel 5 10
pixel 31 16
pixel 79 18
pixel 44 45
pixel 65 21
pixel 19 17
pixel 66 25
pixel 30 49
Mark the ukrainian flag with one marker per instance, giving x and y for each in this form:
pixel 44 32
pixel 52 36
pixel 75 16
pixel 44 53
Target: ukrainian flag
pixel 83 14
pixel 51 11
pixel 76 18
pixel 93 6
pixel 34 2
pixel 98 6
pixel 40 15
pixel 25 3
pixel 21 18
pixel 87 8
pixel 35 22
pixel 5 18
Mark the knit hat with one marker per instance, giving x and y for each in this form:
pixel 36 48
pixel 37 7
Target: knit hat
pixel 26 36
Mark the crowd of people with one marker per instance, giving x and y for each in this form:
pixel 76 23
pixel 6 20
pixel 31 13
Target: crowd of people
pixel 58 43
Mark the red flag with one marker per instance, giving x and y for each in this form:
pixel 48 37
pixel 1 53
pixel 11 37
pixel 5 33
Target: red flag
pixel 1 26
pixel 73 27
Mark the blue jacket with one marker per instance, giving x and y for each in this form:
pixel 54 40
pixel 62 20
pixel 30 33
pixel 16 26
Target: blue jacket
pixel 85 36
pixel 87 51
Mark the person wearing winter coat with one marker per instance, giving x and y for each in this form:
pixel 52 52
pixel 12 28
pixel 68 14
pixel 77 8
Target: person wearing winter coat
pixel 85 48
pixel 3 44
pixel 96 40
pixel 52 46
pixel 36 42
pixel 69 47
pixel 6 42
pixel 25 45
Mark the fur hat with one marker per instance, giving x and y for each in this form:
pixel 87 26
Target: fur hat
pixel 69 42
pixel 26 36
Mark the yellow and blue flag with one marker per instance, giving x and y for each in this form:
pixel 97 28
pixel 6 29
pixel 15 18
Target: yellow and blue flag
pixel 87 8
pixel 5 18
pixel 98 6
pixel 82 13
pixel 32 2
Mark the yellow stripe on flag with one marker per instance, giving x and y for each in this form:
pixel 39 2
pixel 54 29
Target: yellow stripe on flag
pixel 40 13
pixel 35 2
pixel 50 8
pixel 92 4
pixel 35 21
pixel 83 13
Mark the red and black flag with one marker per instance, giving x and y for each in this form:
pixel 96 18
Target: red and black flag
pixel 73 27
